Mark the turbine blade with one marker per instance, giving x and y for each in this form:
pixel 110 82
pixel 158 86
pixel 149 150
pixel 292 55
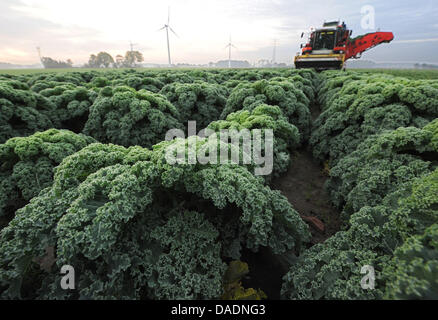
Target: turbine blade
pixel 161 28
pixel 234 46
pixel 173 31
pixel 168 15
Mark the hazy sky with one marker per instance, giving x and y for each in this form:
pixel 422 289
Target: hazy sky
pixel 75 29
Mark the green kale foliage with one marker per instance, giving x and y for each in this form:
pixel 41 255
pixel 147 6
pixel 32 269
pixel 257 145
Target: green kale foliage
pixel 22 112
pixel 199 101
pixel 380 164
pixel 135 226
pixel 139 83
pixel 171 77
pixel 75 78
pixel 413 273
pixel 385 183
pixel 127 117
pixel 389 238
pixel 356 106
pixel 279 92
pixel 72 105
pixel 27 164
pixel 286 135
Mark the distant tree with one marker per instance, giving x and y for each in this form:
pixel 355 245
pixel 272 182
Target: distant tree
pixel 104 59
pixel 50 63
pixel 101 60
pixel 264 63
pixel 92 62
pixel 132 58
pixel 119 61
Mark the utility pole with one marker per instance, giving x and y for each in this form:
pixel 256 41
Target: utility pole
pixel 274 51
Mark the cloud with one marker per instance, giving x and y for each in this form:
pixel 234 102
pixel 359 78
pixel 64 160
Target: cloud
pixel 416 40
pixel 65 29
pixel 25 33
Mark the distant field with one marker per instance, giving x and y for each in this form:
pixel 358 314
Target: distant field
pixel 30 71
pixel 408 73
pixel 62 70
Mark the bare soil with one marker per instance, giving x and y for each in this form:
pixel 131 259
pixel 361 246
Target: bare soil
pixel 303 185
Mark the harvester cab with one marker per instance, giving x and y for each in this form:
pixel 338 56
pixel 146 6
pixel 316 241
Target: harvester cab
pixel 330 46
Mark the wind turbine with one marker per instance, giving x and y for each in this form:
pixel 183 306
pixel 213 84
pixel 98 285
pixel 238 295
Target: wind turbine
pixel 229 45
pixel 39 55
pixel 167 27
pixel 131 45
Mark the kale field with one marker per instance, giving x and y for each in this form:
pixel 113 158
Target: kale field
pixel 85 182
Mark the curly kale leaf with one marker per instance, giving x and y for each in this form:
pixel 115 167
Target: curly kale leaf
pixel 127 117
pixel 357 106
pixel 331 270
pixel 190 266
pixel 390 191
pixel 140 83
pixel 72 105
pixel 379 165
pixel 22 112
pixel 286 135
pixel 413 272
pixel 199 101
pixel 277 92
pixel 28 164
pixel 113 214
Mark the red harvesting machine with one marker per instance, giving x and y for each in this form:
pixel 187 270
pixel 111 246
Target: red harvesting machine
pixel 330 46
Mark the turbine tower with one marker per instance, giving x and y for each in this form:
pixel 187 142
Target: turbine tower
pixel 229 45
pixel 168 27
pixel 131 45
pixel 39 55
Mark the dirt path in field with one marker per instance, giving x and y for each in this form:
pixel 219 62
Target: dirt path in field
pixel 303 185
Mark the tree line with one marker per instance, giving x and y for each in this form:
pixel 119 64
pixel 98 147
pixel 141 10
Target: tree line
pixel 50 63
pixel 105 60
pixel 101 60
